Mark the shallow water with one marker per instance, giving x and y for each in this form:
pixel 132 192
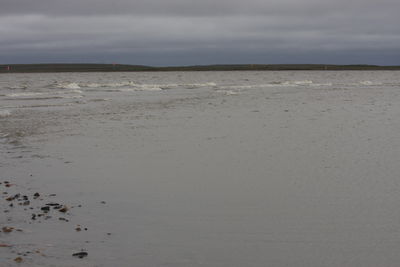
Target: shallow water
pixel 208 168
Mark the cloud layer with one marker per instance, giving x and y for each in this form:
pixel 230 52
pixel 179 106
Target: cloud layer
pixel 173 32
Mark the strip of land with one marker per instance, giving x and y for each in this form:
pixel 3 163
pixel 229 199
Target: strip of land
pixel 26 68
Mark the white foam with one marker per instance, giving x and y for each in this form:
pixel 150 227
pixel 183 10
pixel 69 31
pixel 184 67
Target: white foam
pixel 99 85
pixel 296 83
pixel 208 84
pixel 227 92
pixel 24 94
pixel 4 113
pixel 130 84
pixel 369 83
pixel 67 85
pixel 149 87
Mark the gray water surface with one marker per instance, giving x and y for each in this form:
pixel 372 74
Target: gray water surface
pixel 209 168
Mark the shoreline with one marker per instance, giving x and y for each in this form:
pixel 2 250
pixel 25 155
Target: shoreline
pixel 82 67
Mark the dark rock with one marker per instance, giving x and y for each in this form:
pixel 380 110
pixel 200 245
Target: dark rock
pixel 18 259
pixel 36 195
pixel 46 208
pixel 63 209
pixel 80 255
pixel 52 204
pixel 6 229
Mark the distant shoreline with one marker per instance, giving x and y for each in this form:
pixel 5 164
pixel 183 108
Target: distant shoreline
pixel 42 68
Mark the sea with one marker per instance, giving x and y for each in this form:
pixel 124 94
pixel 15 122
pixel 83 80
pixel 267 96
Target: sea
pixel 213 168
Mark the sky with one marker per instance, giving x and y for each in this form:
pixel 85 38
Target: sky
pixel 199 32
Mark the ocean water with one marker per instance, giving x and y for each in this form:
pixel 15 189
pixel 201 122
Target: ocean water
pixel 207 168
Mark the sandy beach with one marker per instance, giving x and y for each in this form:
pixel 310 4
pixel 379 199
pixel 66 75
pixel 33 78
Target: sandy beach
pixel 200 169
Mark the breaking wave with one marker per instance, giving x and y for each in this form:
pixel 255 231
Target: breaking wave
pixel 129 84
pixel 277 84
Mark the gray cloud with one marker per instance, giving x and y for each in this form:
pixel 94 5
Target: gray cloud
pixel 166 32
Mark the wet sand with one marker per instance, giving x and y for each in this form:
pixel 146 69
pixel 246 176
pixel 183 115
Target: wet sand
pixel 288 176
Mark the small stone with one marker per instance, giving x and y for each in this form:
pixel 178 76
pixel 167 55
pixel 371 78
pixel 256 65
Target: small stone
pixel 63 209
pixel 52 204
pixel 26 203
pixel 78 229
pixel 7 229
pixel 80 255
pixel 103 202
pixel 36 195
pixel 18 259
pixel 46 208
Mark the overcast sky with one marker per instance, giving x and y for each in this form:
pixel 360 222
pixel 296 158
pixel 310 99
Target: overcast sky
pixel 190 32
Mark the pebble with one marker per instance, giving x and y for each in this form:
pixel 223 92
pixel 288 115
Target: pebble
pixel 52 204
pixel 80 255
pixel 45 208
pixel 18 259
pixel 24 200
pixel 63 209
pixel 6 229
